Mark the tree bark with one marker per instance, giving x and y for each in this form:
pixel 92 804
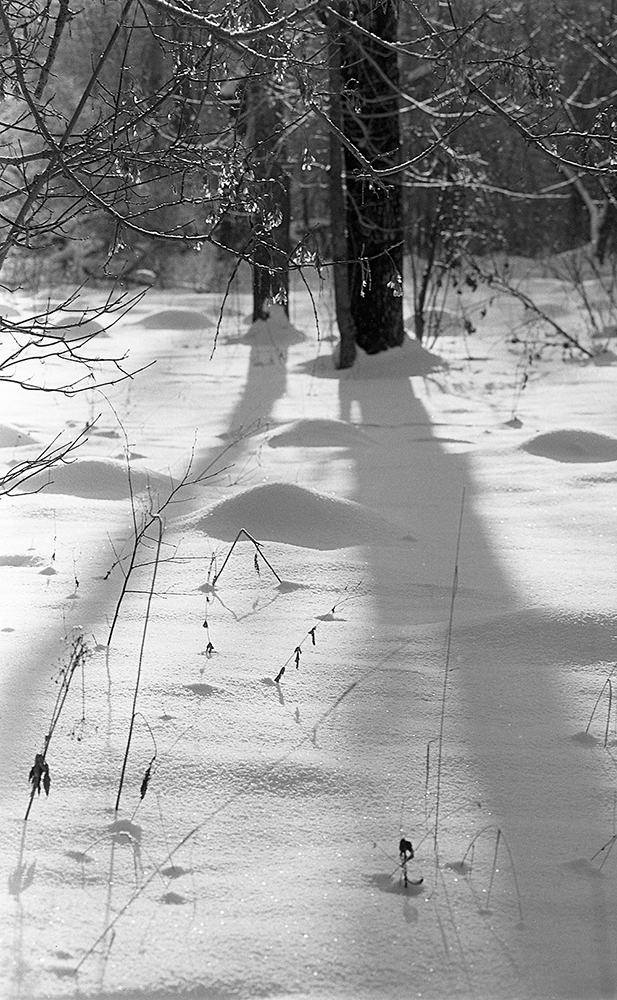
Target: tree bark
pixel 370 114
pixel 263 125
pixel 338 214
pixel 270 257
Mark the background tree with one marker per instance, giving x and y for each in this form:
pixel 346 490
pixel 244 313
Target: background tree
pixel 263 129
pixel 374 208
pixel 338 201
pixel 134 132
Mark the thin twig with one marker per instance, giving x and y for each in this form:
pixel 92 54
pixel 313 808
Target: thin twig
pixel 40 770
pixel 607 685
pixel 257 545
pixel 156 519
pixel 444 693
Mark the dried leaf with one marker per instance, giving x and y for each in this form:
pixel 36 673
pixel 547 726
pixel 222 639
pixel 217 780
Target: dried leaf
pixel 145 782
pixel 39 773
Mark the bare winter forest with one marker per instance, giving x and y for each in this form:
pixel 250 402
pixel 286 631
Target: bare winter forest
pixel 308 437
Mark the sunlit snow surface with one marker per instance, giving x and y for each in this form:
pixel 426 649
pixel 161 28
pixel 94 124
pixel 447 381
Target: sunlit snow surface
pixel 263 859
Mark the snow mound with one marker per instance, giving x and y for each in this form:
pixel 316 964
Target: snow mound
pixel 7 309
pixel 555 310
pixel 318 434
pixel 573 446
pixel 203 690
pixel 604 358
pixel 145 276
pixel 12 437
pixel 444 321
pixel 386 882
pixel 174 899
pixel 275 330
pixel 74 328
pixel 398 362
pixel 175 319
pixel 20 560
pixel 98 479
pixel 607 333
pixel 283 512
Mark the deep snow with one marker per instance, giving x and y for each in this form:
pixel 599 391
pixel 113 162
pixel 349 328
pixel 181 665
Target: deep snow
pixel 263 859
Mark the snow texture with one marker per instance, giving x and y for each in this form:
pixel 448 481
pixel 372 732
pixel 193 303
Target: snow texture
pixel 297 717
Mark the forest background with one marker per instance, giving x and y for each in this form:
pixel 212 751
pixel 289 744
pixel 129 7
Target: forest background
pixel 171 144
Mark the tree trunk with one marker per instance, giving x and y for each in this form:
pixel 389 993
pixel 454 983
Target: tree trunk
pixel 261 122
pixel 338 229
pixel 374 208
pixel 270 258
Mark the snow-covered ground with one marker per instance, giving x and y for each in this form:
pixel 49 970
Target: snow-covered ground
pixel 441 697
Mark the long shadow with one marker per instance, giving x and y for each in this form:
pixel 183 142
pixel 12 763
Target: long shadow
pixel 266 382
pixel 503 712
pixel 26 695
pixel 516 745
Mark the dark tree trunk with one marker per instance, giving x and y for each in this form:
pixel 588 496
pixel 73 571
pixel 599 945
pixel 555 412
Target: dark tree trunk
pixel 338 215
pixel 606 245
pixel 270 257
pixel 370 113
pixel 262 125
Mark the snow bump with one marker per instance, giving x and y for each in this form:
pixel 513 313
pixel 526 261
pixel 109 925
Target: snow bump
pixel 203 690
pixel 13 437
pixel 406 361
pixel 283 512
pixel 275 330
pixel 319 434
pixel 20 560
pixel 175 319
pixel 98 479
pixel 71 328
pixel 7 309
pixel 573 446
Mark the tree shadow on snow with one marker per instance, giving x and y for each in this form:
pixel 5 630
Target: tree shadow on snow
pixel 505 721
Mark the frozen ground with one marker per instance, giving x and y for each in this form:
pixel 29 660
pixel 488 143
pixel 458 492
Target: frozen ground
pixel 263 858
